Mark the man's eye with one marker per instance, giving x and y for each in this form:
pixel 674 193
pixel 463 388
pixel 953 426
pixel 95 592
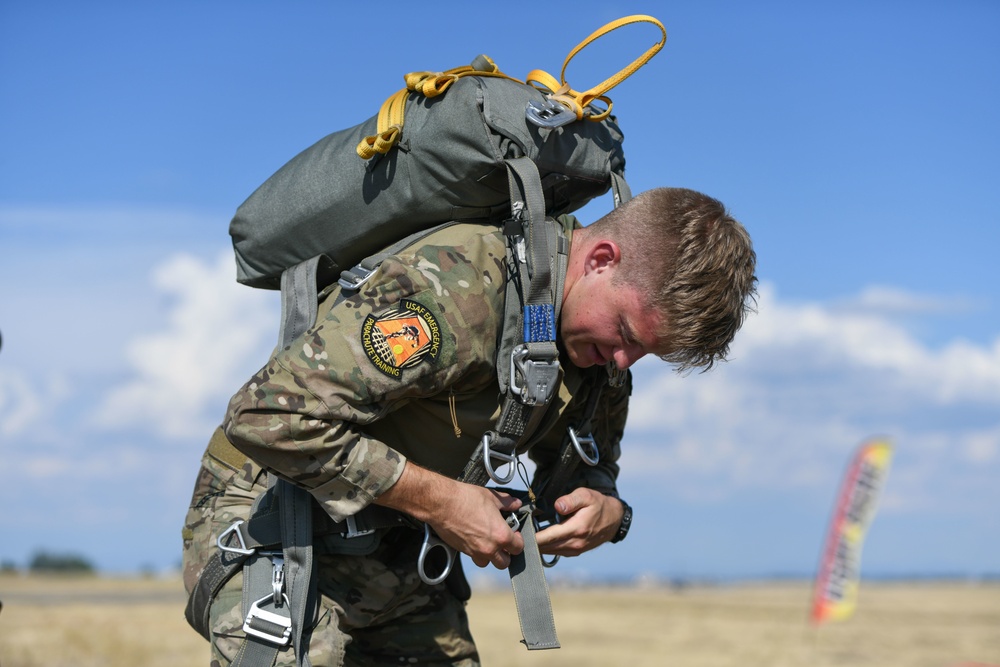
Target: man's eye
pixel 626 334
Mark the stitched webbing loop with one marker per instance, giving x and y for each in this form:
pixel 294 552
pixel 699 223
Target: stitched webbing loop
pixel 429 84
pixel 578 102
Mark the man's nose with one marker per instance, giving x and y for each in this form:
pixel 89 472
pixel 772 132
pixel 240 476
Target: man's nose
pixel 626 356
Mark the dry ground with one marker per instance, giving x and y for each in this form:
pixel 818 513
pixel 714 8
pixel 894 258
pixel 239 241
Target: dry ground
pixel 117 622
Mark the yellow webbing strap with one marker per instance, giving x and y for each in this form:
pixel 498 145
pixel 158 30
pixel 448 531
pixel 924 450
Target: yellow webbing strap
pixel 431 84
pixel 577 102
pixel 428 84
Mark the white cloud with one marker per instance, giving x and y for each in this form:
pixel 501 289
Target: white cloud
pixel 982 447
pixel 886 300
pixel 24 403
pixel 808 382
pixel 217 332
pixel 20 404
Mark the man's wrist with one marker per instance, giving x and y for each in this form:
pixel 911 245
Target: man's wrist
pixel 418 492
pixel 626 522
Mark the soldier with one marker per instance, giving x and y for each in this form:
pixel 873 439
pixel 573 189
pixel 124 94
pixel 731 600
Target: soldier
pixel 359 418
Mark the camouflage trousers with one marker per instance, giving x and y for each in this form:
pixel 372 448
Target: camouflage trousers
pixel 373 609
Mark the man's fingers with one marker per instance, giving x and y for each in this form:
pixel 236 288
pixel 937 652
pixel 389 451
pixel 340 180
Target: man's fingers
pixel 569 503
pixel 506 502
pixel 501 560
pixel 506 543
pixel 576 500
pixel 553 535
pixel 516 544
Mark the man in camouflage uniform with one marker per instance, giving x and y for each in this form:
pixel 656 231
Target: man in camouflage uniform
pixel 386 397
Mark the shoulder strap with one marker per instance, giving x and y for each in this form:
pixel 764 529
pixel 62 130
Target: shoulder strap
pixel 527 356
pixel 279 587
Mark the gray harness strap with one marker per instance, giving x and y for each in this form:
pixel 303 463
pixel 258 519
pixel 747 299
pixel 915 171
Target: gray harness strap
pixel 531 591
pixel 528 384
pixel 537 254
pixel 297 541
pixel 237 545
pixel 279 591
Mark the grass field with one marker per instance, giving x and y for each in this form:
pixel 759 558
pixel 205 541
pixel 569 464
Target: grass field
pixel 84 622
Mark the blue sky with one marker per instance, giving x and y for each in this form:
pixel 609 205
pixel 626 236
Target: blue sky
pixel 857 141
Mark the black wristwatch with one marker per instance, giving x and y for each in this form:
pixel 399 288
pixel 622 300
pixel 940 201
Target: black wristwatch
pixel 625 524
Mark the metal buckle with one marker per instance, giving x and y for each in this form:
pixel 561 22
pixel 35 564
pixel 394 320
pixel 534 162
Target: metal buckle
pixel 352 529
pixel 508 459
pixel 277 575
pixel 579 441
pixel 539 377
pixel 235 528
pixel 432 541
pixel 616 378
pixel 279 621
pixel 549 113
pixel 355 278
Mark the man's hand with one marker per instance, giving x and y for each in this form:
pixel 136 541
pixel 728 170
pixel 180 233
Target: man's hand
pixel 589 519
pixel 465 516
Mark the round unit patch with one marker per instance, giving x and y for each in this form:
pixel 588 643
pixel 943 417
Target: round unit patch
pixel 401 337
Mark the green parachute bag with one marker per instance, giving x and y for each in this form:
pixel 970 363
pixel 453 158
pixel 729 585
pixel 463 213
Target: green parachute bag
pixel 358 190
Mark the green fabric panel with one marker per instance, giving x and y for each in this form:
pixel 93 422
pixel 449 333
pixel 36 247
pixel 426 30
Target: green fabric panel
pixel 448 166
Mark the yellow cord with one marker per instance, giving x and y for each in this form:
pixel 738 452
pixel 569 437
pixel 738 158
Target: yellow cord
pixel 431 84
pixel 454 415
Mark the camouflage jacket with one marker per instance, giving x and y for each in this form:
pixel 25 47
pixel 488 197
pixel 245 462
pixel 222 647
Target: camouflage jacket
pixel 405 370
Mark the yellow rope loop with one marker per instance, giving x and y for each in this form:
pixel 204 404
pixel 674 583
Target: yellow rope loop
pixel 579 102
pixel 599 90
pixel 386 140
pixel 391 115
pixel 431 84
pixel 542 80
pixel 387 127
pixel 365 150
pixel 414 79
pixel 559 92
pixel 369 147
pixel 435 86
pixel 568 98
pixel 604 114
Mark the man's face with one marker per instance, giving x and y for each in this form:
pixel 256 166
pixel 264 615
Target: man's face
pixel 601 322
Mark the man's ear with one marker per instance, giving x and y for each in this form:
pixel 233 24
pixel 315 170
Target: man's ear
pixel 603 255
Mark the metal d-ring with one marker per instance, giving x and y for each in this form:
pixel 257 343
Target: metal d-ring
pixel 579 441
pixel 508 459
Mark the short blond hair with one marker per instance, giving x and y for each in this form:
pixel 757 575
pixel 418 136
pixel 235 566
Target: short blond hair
pixel 693 263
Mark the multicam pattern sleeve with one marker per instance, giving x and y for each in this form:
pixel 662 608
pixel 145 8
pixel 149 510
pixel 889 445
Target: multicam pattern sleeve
pixel 425 323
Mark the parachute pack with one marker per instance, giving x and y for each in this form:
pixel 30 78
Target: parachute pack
pixel 435 152
pixel 471 144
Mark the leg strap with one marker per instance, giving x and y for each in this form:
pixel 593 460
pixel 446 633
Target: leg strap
pixel 531 592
